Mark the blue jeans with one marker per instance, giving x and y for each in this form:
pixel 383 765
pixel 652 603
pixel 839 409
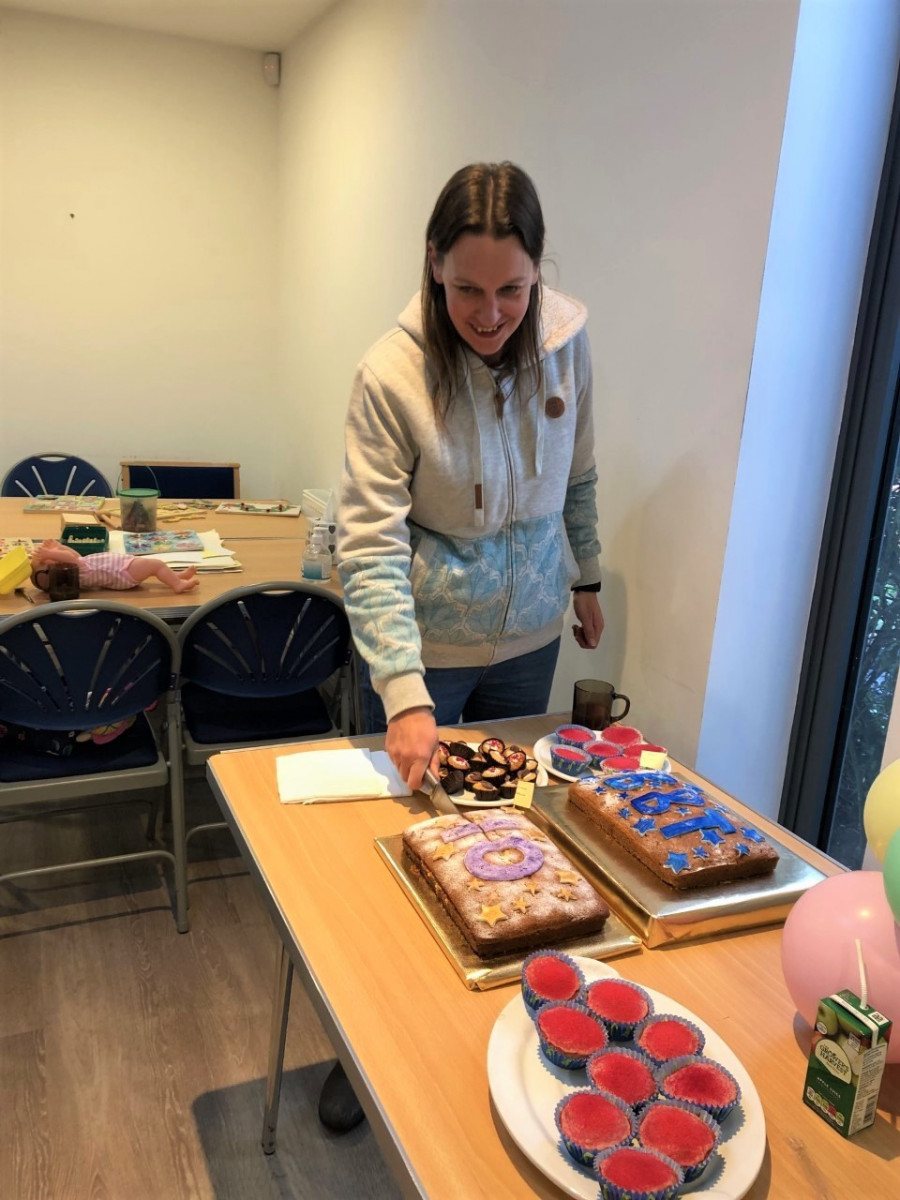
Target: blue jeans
pixel 519 687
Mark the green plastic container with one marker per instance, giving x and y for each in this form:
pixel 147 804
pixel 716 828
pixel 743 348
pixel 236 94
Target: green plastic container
pixel 86 539
pixel 138 509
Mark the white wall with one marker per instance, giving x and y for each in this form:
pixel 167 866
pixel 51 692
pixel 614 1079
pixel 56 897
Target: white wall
pixel 652 130
pixel 137 247
pixel 837 121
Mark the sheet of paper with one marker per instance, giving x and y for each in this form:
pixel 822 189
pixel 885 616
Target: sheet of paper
pixel 319 776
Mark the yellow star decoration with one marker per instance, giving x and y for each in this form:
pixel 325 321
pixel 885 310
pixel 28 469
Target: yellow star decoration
pixel 567 876
pixel 492 914
pixel 444 850
pixel 531 886
pixel 521 904
pixel 565 893
pixel 474 884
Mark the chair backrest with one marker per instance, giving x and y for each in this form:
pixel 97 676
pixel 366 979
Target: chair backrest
pixel 270 639
pixel 54 474
pixel 82 663
pixel 184 480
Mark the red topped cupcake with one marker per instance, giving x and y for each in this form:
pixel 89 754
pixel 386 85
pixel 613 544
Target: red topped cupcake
pixel 569 760
pixel 621 762
pixel 622 735
pixel 568 1033
pixel 663 1037
pixel 600 751
pixel 591 1121
pixel 685 1134
pixel 623 1072
pixel 620 1004
pixel 701 1082
pixel 627 1172
pixel 574 735
pixel 550 975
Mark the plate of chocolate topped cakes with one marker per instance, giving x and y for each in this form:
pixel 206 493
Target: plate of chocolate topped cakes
pixel 486 774
pixel 718 1157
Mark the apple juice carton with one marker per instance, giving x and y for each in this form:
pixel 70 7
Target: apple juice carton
pixel 846 1061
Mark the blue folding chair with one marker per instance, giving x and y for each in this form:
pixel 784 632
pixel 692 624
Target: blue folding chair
pixel 54 474
pixel 256 665
pixel 76 666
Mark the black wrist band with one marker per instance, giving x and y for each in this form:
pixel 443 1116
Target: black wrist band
pixel 587 587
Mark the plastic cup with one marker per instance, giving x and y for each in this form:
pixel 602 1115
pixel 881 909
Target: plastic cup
pixel 138 509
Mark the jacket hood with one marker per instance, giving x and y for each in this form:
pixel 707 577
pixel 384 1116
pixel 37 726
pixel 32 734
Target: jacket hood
pixel 562 317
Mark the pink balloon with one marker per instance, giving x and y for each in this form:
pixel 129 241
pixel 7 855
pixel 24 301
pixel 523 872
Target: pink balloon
pixel 818 946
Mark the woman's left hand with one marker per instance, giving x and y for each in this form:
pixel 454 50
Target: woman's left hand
pixel 590 617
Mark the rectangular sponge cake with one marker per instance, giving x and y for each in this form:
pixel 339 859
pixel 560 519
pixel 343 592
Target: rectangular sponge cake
pixel 676 829
pixel 502 881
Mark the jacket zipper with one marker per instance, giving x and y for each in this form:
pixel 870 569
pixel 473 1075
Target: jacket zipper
pixel 500 402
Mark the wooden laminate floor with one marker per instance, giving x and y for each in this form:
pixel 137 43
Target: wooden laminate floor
pixel 133 1058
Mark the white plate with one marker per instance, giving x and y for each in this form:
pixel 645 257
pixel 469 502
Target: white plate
pixel 467 799
pixel 526 1088
pixel 542 754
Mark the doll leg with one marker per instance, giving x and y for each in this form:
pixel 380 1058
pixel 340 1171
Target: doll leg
pixel 178 581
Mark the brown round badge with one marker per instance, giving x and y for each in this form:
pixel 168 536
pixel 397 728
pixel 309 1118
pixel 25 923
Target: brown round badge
pixel 555 406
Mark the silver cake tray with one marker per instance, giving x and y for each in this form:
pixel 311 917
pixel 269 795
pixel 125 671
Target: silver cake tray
pixel 480 974
pixel 660 914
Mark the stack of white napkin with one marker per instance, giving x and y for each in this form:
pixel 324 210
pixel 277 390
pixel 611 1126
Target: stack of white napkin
pixel 317 776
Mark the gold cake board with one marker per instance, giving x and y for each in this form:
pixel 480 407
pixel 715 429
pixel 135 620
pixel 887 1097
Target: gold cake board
pixel 480 974
pixel 658 913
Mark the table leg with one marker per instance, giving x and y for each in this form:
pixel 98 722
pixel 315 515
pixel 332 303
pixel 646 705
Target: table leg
pixel 280 1008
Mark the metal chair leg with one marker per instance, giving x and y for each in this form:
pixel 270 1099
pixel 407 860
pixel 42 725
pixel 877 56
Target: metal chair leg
pixel 280 1008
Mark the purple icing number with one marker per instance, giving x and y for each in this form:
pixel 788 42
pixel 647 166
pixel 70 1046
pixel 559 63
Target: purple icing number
pixel 493 872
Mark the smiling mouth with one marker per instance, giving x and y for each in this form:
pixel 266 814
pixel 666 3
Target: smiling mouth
pixel 488 332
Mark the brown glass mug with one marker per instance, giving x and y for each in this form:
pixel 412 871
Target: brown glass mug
pixel 63 582
pixel 592 704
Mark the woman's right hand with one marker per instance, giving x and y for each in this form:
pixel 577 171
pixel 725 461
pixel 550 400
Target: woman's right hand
pixel 412 744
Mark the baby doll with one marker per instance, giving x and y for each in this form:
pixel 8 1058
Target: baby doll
pixel 116 571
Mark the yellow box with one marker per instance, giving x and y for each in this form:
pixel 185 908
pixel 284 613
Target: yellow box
pixel 15 568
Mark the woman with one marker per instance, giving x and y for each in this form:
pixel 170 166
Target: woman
pixel 468 504
pixel 468 507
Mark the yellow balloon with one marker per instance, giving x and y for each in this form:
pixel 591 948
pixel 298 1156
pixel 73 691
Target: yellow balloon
pixel 881 813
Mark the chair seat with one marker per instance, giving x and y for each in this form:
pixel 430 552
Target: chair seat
pixel 134 748
pixel 212 718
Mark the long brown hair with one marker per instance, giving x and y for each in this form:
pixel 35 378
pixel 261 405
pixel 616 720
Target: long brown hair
pixel 497 199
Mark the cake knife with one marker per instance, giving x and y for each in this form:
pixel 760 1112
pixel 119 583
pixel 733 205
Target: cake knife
pixel 434 790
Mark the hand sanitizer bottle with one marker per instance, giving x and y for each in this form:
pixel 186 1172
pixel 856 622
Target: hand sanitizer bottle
pixel 317 557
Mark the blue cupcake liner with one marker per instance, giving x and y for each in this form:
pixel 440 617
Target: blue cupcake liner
pixel 568 1062
pixel 585 1155
pixel 569 766
pixel 559 735
pixel 620 1031
pixel 654 1018
pixel 690 1173
pixel 532 1000
pixel 718 1112
pixel 628 1052
pixel 611 1191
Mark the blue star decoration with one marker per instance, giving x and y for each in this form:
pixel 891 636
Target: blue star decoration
pixel 712 836
pixel 753 834
pixel 625 813
pixel 676 862
pixel 701 852
pixel 644 825
pixel 742 848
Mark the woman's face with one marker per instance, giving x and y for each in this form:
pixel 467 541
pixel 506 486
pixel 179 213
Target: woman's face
pixel 487 282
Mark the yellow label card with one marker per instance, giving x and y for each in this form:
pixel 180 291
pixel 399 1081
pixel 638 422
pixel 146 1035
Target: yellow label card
pixel 524 794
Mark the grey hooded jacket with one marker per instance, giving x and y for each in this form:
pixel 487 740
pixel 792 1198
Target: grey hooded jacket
pixel 458 546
